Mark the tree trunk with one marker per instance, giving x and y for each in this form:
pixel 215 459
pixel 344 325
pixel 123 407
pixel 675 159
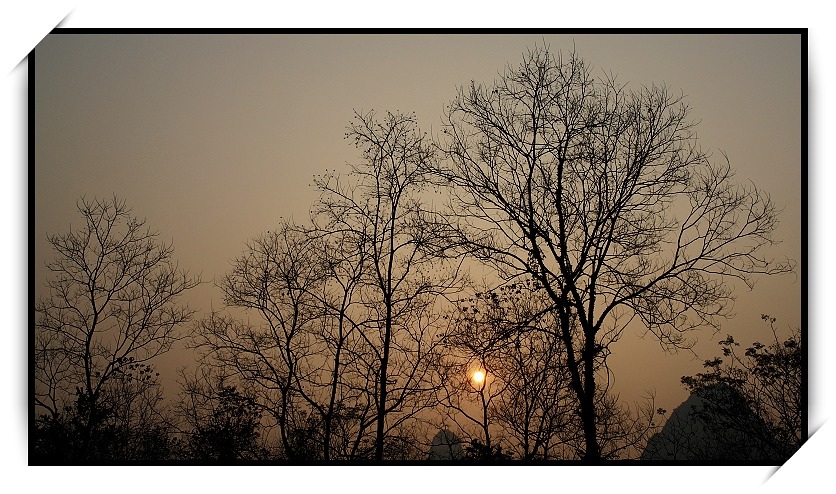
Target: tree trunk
pixel 593 450
pixel 381 407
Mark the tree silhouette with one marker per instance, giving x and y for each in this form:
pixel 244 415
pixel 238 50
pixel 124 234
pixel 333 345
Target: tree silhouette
pixel 276 277
pixel 603 197
pixel 307 361
pixel 380 202
pixel 526 398
pixel 757 395
pixel 112 307
pixel 502 334
pixel 224 422
pixel 479 451
pixel 132 424
pixel 590 205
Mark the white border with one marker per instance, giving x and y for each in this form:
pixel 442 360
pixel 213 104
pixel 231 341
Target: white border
pixel 26 23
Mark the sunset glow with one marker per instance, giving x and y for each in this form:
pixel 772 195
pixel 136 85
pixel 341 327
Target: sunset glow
pixel 478 377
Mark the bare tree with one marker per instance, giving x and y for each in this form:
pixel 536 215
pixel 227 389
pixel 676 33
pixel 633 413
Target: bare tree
pixel 381 201
pixel 471 386
pixel 138 414
pixel 536 408
pixel 112 307
pixel 306 359
pixel 523 394
pixel 339 394
pixel 602 196
pixel 474 374
pixel 275 277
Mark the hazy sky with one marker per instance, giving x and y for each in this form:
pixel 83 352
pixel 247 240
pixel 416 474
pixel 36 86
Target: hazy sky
pixel 213 138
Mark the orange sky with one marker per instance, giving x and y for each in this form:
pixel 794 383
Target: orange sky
pixel 214 138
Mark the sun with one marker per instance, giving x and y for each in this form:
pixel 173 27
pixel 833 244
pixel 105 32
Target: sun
pixel 478 377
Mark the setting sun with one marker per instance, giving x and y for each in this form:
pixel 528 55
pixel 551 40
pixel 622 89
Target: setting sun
pixel 478 377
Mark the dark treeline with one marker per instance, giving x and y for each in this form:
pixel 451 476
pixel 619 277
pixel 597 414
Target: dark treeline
pixel 365 335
